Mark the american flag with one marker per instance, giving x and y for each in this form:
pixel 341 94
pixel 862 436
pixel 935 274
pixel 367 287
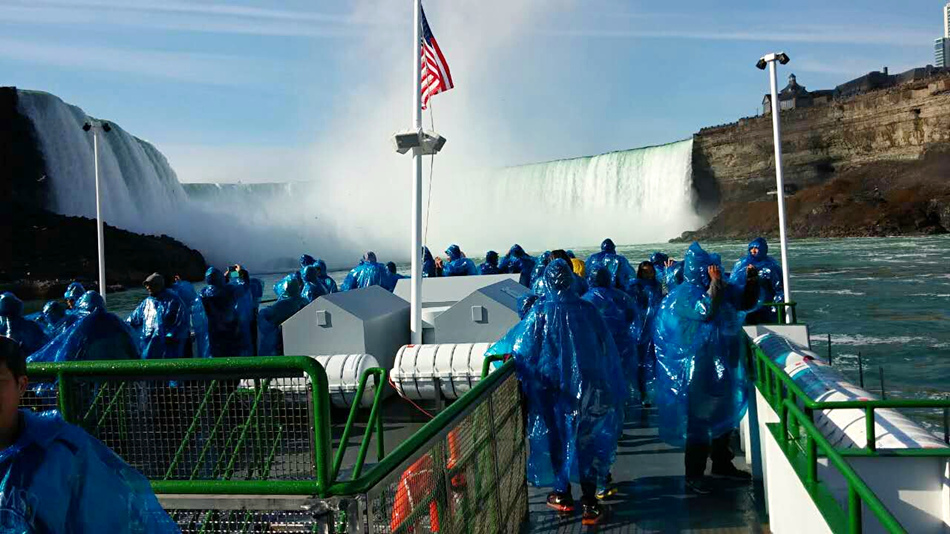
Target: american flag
pixel 436 77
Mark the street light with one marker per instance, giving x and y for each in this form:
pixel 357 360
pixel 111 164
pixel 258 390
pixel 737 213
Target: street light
pixel 95 126
pixel 769 60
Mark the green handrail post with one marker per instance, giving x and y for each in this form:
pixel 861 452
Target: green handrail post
pixel 370 424
pixel 486 363
pixel 67 396
pixel 854 511
pixel 379 374
pixel 811 451
pixel 870 427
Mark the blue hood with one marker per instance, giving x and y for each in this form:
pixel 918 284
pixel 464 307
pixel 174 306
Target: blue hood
pixel 306 260
pixel 214 277
pixel 321 268
pixel 311 274
pixel 454 252
pixel 599 277
pixel 54 311
pixel 516 251
pixel 10 305
pixel 492 257
pixel 426 255
pixel 559 278
pixel 90 302
pixel 658 258
pixel 762 245
pixel 74 291
pixel 696 263
pixel 608 246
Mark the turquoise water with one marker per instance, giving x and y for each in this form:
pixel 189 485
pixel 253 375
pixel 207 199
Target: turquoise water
pixel 888 298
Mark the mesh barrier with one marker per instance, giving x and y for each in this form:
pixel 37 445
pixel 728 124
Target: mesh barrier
pixel 470 478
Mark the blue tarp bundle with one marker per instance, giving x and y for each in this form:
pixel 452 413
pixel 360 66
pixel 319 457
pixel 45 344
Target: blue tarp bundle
pixel 95 334
pixel 700 383
pixel 58 478
pixel 620 313
pixel 289 302
pixel 224 327
pixel 17 327
pixel 571 376
pixel 491 264
pixel 771 288
pixel 620 270
pixel 458 264
pixel 369 272
pixel 199 321
pixel 162 324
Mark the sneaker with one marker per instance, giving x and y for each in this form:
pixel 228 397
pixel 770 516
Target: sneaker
pixel 593 514
pixel 606 493
pixel 562 502
pixel 728 470
pixel 698 485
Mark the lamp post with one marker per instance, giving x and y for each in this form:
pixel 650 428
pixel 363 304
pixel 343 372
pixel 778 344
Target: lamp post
pixel 95 126
pixel 769 60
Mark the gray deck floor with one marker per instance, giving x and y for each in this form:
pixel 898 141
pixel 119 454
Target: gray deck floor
pixel 651 494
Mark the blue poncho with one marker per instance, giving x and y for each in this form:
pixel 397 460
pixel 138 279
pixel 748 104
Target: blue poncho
pixel 53 319
pixel 428 263
pixel 74 292
pixel 58 478
pixel 491 264
pixel 573 384
pixel 312 286
pixel 247 297
pixel 647 295
pixel 14 326
pixel 620 270
pixel 771 288
pixel 199 321
pixel 328 283
pixel 162 326
pixel 289 302
pixel 700 382
pixel 619 312
pixel 518 262
pixel 224 327
pixel 95 334
pixel 368 273
pixel 458 264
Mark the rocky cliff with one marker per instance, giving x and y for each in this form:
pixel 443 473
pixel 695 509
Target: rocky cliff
pixel 874 164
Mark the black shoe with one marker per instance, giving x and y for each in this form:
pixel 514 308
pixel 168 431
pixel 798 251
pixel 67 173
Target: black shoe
pixel 593 513
pixel 727 470
pixel 562 502
pixel 698 485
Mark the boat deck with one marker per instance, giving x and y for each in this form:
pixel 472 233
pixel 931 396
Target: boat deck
pixel 652 496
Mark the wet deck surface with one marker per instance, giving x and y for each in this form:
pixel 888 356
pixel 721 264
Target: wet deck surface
pixel 652 496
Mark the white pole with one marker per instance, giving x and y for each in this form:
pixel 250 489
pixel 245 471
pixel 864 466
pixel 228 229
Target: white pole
pixel 102 243
pixel 779 182
pixel 415 282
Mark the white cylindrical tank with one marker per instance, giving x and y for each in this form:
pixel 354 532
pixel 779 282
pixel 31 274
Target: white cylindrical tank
pixel 458 366
pixel 343 379
pixel 843 428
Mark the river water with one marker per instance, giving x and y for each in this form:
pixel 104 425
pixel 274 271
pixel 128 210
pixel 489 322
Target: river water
pixel 887 298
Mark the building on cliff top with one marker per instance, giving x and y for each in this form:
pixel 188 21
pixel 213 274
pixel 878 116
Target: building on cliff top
pixel 796 96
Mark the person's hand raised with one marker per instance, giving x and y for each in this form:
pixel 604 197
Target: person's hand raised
pixel 715 273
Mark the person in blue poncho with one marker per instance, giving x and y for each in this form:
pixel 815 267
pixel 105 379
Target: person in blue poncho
pixel 53 319
pixel 647 294
pixel 620 270
pixel 196 315
pixel 428 264
pixel 658 261
pixel 54 477
pixel 289 302
pixel 369 272
pixel 95 334
pixel 571 377
pixel 325 279
pixel 771 288
pixel 224 327
pixel 306 260
pixel 620 313
pixel 458 264
pixel 517 261
pixel 247 294
pixel 14 326
pixel 539 287
pixel 490 266
pixel 538 271
pixel 312 286
pixel 700 382
pixel 161 322
pixel 74 292
pixel 394 276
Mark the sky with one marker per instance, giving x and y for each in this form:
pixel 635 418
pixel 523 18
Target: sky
pixel 267 91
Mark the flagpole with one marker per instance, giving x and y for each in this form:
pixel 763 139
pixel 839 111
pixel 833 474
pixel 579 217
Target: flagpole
pixel 415 282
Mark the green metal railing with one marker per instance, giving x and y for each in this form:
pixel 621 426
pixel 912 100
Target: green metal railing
pixel 780 308
pixel 801 441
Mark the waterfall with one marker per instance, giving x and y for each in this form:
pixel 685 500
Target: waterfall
pixel 642 195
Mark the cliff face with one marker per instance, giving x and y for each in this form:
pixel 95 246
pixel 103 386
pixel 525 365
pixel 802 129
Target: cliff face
pixel 735 163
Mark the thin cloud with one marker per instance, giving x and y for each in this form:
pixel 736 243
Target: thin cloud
pixel 207 69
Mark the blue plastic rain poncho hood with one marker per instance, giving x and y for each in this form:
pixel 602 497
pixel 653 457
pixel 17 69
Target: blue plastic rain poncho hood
pixel 538 272
pixel 306 260
pixel 458 264
pixel 771 287
pixel 218 300
pixel 620 270
pixel 368 273
pixel 619 312
pixel 289 302
pixel 573 385
pixel 312 285
pixel 518 262
pixel 13 325
pixel 328 283
pixel 74 292
pixel 58 478
pixel 95 334
pixel 700 383
pixel 54 320
pixel 491 264
pixel 162 326
pixel 428 263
